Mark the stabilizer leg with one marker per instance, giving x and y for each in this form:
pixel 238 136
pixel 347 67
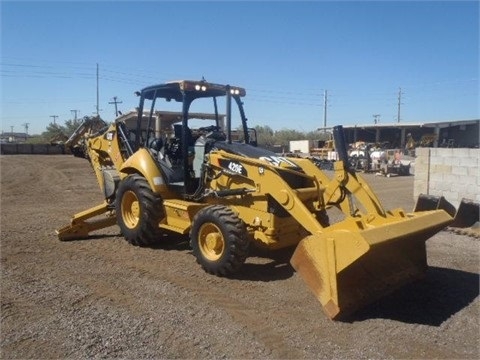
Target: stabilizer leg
pixel 79 227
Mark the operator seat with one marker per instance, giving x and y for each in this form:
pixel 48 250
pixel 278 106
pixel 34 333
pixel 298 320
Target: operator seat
pixel 171 163
pixel 171 175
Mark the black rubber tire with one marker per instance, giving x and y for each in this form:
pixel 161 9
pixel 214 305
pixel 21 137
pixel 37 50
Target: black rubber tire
pixel 138 211
pixel 219 240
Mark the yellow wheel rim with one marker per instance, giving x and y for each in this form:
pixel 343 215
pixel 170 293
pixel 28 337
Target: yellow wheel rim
pixel 130 209
pixel 211 241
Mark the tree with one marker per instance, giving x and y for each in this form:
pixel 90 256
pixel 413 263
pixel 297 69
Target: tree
pixel 56 132
pixel 284 136
pixel 265 135
pixel 72 125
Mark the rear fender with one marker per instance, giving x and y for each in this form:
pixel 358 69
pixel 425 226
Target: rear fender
pixel 143 163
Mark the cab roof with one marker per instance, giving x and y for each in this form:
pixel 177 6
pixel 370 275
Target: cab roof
pixel 174 90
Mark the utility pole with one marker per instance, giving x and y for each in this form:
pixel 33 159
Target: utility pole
pixel 25 125
pixel 325 97
pixel 115 102
pixel 54 119
pixel 75 114
pixel 376 118
pixel 26 129
pixel 98 105
pixel 399 103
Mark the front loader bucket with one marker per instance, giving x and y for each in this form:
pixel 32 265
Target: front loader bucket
pixel 347 269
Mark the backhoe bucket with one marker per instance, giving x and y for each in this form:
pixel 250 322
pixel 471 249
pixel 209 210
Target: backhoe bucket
pixel 347 269
pixel 432 202
pixel 467 215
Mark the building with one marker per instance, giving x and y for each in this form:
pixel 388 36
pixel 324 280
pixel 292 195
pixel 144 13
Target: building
pixel 13 137
pixel 459 133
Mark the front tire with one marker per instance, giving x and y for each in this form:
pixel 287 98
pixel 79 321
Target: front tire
pixel 139 211
pixel 219 240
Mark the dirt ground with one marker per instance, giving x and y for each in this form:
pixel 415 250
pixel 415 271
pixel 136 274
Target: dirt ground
pixel 104 298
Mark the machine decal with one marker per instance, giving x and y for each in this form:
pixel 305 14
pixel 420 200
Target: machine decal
pixel 233 167
pixel 278 160
pixel 110 135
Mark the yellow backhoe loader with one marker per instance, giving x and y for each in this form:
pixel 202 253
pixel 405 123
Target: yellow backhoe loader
pixel 229 195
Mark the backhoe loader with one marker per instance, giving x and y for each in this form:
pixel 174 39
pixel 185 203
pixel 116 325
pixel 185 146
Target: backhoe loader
pixel 228 195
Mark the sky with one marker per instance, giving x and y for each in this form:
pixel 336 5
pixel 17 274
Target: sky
pixel 366 56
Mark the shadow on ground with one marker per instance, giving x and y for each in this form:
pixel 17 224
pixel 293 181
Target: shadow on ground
pixel 431 301
pixel 271 265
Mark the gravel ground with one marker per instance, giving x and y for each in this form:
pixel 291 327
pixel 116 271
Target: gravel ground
pixel 103 298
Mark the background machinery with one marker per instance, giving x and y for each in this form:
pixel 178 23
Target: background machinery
pixel 228 196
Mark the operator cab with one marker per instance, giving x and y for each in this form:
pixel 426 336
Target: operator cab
pixel 180 139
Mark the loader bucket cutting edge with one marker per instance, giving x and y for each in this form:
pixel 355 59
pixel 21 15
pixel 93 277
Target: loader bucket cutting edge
pixel 349 269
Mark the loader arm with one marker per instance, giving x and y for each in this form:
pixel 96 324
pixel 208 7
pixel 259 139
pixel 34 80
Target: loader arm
pixel 267 180
pixel 342 183
pixel 320 192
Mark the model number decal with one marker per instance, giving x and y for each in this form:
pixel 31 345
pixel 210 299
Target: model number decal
pixel 236 168
pixel 233 167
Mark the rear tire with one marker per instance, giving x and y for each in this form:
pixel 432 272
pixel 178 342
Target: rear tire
pixel 139 211
pixel 219 240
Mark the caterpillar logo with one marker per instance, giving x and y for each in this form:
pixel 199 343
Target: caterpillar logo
pixel 110 135
pixel 233 167
pixel 278 161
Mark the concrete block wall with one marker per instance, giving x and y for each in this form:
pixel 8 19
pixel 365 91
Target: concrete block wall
pixel 452 173
pixel 19 148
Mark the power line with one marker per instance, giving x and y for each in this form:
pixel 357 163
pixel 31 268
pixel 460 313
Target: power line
pixel 285 96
